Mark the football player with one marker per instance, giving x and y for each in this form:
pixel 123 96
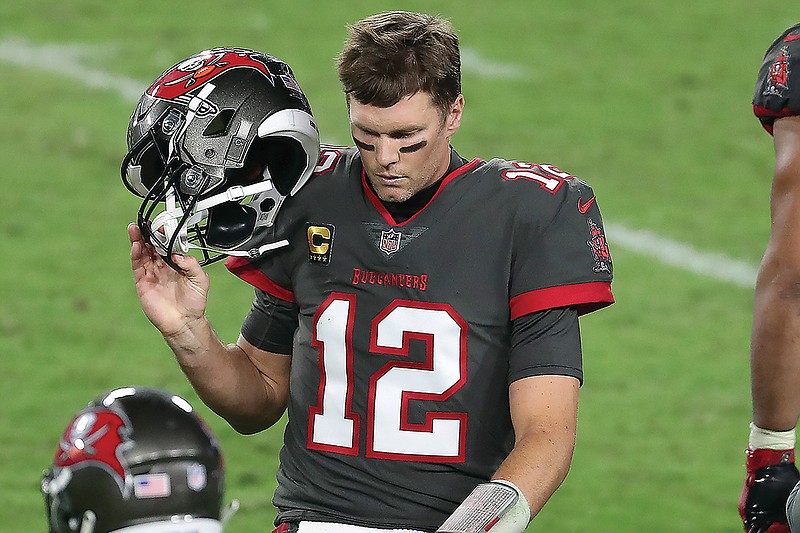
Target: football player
pixel 775 363
pixel 420 324
pixel 136 460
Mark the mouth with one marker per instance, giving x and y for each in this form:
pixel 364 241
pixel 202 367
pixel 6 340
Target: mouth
pixel 388 178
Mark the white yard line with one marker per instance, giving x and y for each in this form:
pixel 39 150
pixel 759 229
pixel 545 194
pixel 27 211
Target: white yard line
pixel 474 63
pixel 66 60
pixel 678 254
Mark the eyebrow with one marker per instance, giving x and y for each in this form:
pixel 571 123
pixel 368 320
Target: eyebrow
pixel 400 132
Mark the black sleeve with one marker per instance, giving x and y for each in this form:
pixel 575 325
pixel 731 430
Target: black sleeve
pixel 271 323
pixel 777 92
pixel 561 258
pixel 546 343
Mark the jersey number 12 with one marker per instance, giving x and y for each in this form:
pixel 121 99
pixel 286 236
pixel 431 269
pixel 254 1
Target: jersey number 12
pixel 333 427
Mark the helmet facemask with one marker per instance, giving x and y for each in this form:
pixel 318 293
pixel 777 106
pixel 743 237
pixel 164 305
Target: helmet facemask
pixel 227 153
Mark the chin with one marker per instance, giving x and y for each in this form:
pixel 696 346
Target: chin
pixel 389 194
pixel 394 196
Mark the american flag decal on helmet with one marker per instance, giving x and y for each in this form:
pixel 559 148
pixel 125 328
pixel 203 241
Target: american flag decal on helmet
pixel 152 485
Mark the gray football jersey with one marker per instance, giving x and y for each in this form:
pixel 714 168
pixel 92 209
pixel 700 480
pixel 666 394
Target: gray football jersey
pixel 403 348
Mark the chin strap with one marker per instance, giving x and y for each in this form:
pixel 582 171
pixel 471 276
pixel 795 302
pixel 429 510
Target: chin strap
pixel 253 252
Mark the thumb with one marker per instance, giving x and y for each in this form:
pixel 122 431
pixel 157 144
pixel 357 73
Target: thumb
pixel 192 271
pixel 188 264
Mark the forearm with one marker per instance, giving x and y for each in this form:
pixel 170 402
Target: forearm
pixel 775 344
pixel 225 378
pixel 775 351
pixel 539 463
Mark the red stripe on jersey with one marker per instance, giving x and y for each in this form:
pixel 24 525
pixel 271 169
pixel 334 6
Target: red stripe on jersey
pixel 761 111
pixel 283 528
pixel 244 269
pixel 587 297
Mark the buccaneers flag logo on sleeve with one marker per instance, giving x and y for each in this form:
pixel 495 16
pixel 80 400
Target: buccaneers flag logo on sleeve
pixel 599 246
pixel 778 80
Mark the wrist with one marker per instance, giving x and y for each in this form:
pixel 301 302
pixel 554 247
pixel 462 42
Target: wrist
pixel 191 338
pixel 771 440
pixel 497 506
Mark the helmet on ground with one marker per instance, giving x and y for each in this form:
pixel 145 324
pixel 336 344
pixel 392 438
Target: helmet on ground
pixel 215 145
pixel 136 460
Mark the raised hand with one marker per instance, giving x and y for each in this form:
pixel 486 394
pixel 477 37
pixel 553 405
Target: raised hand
pixel 171 299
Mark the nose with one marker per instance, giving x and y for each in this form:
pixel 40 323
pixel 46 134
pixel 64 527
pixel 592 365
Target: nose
pixel 387 152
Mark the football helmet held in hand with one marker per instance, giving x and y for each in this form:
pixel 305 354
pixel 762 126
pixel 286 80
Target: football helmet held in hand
pixel 215 145
pixel 136 460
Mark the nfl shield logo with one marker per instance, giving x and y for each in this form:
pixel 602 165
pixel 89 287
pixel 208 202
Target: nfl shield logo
pixel 390 241
pixel 196 477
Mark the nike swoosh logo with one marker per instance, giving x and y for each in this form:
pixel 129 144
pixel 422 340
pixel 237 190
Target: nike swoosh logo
pixel 583 207
pixel 791 37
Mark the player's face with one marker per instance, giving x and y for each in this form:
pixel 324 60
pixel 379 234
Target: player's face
pixel 405 147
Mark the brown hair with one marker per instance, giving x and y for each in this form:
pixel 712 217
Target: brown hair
pixel 389 56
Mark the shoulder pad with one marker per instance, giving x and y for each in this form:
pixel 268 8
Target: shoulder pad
pixel 777 92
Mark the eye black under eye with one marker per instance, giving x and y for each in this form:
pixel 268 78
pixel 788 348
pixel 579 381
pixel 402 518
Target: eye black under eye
pixel 414 147
pixel 364 146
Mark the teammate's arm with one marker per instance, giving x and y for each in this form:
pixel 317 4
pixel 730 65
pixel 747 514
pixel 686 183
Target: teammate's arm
pixel 775 347
pixel 774 358
pixel 245 385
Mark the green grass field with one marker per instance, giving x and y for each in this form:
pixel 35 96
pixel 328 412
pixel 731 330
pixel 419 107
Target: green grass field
pixel 648 101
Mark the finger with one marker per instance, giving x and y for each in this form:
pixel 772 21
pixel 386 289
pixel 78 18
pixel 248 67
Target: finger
pixel 136 251
pixel 134 233
pixel 142 252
